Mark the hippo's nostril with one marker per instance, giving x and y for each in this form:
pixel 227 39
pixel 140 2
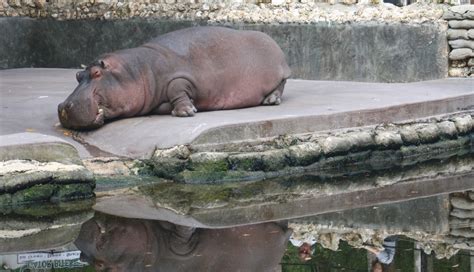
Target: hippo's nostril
pixel 69 105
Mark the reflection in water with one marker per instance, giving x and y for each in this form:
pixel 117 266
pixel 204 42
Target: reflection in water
pixel 394 221
pixel 119 244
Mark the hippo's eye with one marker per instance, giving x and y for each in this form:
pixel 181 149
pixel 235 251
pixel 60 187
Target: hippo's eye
pixel 102 64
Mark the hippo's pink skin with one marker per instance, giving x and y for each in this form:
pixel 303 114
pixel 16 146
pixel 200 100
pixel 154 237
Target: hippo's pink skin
pixel 181 72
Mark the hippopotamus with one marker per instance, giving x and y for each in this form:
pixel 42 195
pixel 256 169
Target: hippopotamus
pixel 112 243
pixel 179 73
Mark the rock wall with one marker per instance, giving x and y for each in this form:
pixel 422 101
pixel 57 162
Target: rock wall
pixel 461 40
pixel 461 220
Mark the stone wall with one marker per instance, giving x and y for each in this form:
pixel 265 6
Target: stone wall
pixel 461 40
pixel 358 150
pixel 461 220
pixel 362 51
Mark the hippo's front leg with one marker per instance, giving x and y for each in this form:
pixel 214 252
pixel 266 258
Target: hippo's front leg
pixel 180 94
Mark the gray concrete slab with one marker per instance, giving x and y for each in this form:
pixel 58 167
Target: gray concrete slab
pixel 29 98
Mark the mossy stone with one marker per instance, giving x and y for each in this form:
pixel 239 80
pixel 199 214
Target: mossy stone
pixel 209 162
pixel 274 160
pixel 168 167
pixel 304 154
pixel 247 162
pixel 5 200
pixel 36 193
pixel 384 159
pixel 70 192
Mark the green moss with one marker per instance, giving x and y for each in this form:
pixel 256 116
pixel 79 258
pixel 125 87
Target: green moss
pixel 145 168
pixel 184 197
pixel 5 200
pixel 247 162
pixel 201 177
pixel 36 193
pixel 73 191
pixel 211 166
pixel 169 167
pixel 53 209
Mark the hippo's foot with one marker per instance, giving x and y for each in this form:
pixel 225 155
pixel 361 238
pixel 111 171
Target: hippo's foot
pixel 274 98
pixel 184 111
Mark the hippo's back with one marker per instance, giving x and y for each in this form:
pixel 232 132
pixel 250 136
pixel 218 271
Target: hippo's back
pixel 230 68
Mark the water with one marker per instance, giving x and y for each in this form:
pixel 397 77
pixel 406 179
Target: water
pixel 255 226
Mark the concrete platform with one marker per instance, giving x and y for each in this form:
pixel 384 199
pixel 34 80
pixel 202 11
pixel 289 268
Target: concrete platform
pixel 29 98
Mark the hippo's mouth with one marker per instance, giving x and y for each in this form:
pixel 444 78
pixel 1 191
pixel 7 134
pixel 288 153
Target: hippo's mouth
pixel 100 117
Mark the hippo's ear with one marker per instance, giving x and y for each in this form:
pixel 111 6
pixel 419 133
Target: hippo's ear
pixel 95 72
pixel 80 76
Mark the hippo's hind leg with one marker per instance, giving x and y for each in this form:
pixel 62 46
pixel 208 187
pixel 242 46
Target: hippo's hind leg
pixel 180 92
pixel 274 97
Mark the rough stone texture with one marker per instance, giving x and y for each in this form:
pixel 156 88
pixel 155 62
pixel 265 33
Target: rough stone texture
pixel 463 24
pixel 461 43
pixel 461 37
pixel 462 203
pixel 463 214
pixel 410 135
pixel 253 11
pixel 458 63
pixel 466 11
pixel 458 72
pixel 246 162
pixel 304 154
pixel 447 129
pixel 461 53
pixel 35 167
pixel 464 123
pixel 454 34
pixel 333 145
pixel 329 153
pixel 399 52
pixel 470 62
pixel 388 139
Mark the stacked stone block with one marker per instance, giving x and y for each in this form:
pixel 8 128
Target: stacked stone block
pixel 461 40
pixel 461 221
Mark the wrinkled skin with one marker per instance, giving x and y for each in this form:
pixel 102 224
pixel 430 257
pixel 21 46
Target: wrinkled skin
pixel 179 73
pixel 120 244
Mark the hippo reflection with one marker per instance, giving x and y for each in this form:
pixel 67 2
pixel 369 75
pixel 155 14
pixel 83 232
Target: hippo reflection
pixel 120 244
pixel 179 73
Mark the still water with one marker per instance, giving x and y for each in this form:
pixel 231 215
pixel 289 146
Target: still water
pixel 413 218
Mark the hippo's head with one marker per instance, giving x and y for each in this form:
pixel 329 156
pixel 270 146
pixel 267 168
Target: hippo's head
pixel 104 92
